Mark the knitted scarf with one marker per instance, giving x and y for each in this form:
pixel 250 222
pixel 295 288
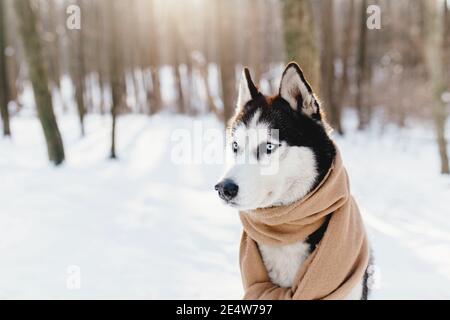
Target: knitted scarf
pixel 339 261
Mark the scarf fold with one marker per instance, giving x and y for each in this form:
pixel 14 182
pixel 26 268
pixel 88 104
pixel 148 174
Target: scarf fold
pixel 338 263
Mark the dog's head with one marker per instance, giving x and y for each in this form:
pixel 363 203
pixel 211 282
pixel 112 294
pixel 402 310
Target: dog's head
pixel 280 146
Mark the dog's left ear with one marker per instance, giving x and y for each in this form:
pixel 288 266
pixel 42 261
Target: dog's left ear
pixel 297 92
pixel 247 90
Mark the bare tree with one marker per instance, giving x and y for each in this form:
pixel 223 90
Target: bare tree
pixel 78 70
pixel 116 73
pixel 363 72
pixel 99 45
pixel 446 44
pixel 154 90
pixel 328 70
pixel 347 45
pixel 300 38
pixel 255 39
pixel 434 39
pixel 53 44
pixel 177 60
pixel 226 57
pixel 39 79
pixel 3 74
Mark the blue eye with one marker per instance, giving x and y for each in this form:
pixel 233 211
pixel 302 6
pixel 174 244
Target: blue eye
pixel 235 147
pixel 270 147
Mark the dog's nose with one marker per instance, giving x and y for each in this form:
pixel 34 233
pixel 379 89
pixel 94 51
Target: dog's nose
pixel 227 189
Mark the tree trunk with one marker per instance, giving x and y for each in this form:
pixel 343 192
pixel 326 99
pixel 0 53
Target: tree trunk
pixel 328 70
pixel 181 101
pixel 362 69
pixel 53 46
pixel 345 55
pixel 15 85
pixel 116 72
pixel 434 39
pixel 177 53
pixel 154 94
pixel 300 38
pixel 100 55
pixel 446 45
pixel 153 91
pixel 202 68
pixel 4 96
pixel 78 70
pixel 226 58
pixel 255 38
pixel 39 79
pixel 54 49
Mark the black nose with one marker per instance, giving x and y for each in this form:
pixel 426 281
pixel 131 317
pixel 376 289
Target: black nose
pixel 227 189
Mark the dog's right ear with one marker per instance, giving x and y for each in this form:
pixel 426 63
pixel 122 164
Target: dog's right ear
pixel 247 89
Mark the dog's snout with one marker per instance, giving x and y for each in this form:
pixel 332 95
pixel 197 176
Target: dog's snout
pixel 227 189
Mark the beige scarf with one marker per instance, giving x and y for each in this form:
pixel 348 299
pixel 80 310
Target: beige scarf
pixel 334 267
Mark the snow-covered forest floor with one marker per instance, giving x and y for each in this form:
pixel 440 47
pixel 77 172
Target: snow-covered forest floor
pixel 144 227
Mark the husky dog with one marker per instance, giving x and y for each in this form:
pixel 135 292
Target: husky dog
pixel 304 153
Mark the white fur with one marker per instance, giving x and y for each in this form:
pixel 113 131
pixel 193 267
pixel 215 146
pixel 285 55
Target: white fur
pixel 293 175
pixel 283 262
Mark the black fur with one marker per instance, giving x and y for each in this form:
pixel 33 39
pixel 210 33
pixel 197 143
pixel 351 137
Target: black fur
pixel 366 291
pixel 314 238
pixel 251 86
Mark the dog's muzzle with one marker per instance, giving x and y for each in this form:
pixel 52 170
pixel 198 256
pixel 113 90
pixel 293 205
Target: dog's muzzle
pixel 227 189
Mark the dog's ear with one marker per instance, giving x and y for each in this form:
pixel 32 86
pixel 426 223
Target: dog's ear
pixel 297 92
pixel 247 89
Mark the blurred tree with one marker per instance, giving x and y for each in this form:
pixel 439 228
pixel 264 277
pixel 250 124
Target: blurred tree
pixel 116 71
pixel 4 96
pixel 154 89
pixel 14 57
pixel 99 53
pixel 300 39
pixel 132 57
pixel 362 70
pixel 446 44
pixel 207 54
pixel 52 44
pixel 177 53
pixel 39 80
pixel 226 57
pixel 435 37
pixel 328 70
pixel 78 67
pixel 346 48
pixel 255 39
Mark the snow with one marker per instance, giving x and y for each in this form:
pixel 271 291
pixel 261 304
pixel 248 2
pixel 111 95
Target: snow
pixel 145 227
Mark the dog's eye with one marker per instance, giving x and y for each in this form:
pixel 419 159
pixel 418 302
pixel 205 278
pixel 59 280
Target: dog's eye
pixel 235 147
pixel 270 147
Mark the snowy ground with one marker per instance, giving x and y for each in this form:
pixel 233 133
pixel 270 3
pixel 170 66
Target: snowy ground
pixel 144 227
